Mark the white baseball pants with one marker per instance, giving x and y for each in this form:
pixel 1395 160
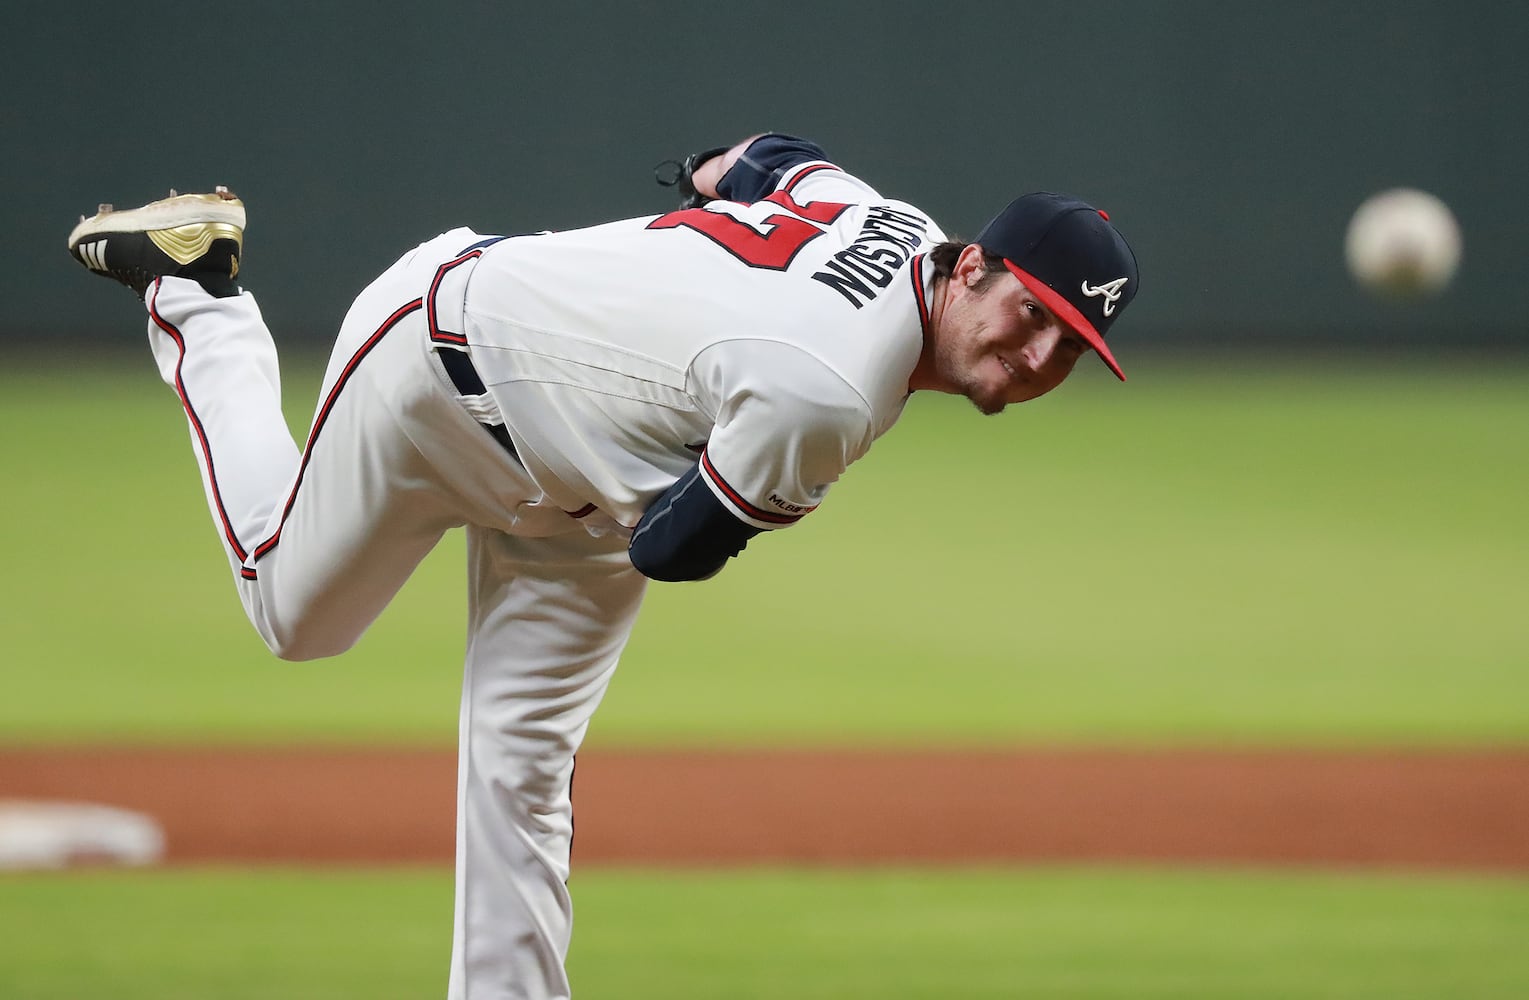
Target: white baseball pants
pixel 319 540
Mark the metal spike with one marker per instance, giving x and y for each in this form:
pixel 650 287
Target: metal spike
pixel 220 189
pixel 174 193
pixel 82 218
pixel 103 208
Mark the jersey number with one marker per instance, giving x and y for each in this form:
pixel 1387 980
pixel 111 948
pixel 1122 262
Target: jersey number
pixel 773 249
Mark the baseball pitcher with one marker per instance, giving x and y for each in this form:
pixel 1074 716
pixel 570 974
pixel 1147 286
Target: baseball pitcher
pixel 601 407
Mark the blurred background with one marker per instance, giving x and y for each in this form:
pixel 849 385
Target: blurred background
pixel 1230 147
pixel 1296 530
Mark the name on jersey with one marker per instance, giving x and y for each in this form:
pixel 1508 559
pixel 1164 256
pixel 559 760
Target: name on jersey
pixel 861 270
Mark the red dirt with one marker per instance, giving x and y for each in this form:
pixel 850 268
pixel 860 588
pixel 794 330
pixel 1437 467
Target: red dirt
pixel 1409 809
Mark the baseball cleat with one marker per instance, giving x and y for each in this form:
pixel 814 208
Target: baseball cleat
pixel 197 236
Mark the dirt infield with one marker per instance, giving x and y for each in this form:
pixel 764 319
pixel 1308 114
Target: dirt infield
pixel 1407 809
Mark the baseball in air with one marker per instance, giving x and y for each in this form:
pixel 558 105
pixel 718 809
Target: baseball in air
pixel 1403 243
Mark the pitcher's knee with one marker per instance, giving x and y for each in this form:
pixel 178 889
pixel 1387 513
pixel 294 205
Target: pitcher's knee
pixel 305 640
pixel 298 630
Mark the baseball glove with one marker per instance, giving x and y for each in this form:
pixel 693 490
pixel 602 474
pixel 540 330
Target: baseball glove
pixel 678 174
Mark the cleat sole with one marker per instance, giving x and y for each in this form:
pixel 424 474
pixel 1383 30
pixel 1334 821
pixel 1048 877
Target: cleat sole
pixel 221 209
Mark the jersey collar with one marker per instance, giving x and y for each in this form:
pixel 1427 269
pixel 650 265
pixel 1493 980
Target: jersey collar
pixel 923 288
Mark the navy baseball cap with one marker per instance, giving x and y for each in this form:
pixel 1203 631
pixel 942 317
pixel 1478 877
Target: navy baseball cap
pixel 1069 254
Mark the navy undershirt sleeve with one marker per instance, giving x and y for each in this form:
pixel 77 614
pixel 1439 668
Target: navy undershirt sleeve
pixel 756 173
pixel 687 534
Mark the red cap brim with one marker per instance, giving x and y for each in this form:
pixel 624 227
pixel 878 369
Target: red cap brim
pixel 1067 313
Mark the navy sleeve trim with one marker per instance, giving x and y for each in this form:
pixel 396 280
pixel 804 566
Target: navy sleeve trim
pixel 687 534
pixel 756 173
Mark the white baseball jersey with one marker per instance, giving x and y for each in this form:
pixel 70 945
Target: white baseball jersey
pixel 774 339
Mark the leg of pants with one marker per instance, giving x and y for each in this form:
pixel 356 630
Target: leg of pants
pixel 548 618
pixel 320 541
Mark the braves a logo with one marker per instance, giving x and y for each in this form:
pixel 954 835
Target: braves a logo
pixel 1110 290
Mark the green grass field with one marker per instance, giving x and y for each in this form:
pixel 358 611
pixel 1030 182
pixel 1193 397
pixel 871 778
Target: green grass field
pixel 1243 554
pixel 804 935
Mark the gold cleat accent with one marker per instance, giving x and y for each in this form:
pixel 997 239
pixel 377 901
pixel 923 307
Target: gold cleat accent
pixel 184 244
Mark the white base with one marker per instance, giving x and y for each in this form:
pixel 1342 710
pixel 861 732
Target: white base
pixel 50 835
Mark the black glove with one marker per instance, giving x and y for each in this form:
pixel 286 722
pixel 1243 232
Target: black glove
pixel 677 174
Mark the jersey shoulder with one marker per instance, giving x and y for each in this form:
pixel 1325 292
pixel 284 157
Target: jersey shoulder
pixel 785 427
pixel 777 376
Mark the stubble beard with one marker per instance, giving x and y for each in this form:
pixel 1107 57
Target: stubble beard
pixel 988 402
pixel 987 407
pixel 964 375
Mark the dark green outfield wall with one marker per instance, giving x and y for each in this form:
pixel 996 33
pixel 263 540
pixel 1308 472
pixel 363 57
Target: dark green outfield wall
pixel 1230 147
